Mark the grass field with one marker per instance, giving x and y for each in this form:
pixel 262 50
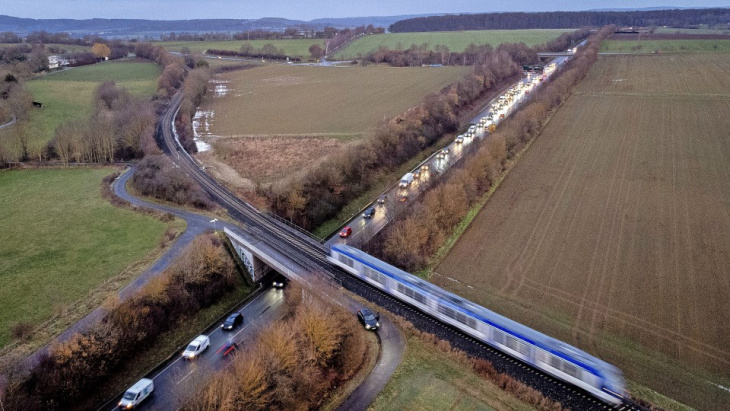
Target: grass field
pixel 666 46
pixel 68 94
pixel 60 240
pixel 429 380
pixel 454 40
pixel 292 47
pixel 612 232
pixel 277 106
pixel 702 30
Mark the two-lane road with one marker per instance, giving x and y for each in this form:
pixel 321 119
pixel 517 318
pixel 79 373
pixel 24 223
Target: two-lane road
pixel 181 377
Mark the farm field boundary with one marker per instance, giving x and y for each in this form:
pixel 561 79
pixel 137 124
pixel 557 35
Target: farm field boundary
pixel 454 40
pixel 291 47
pixel 612 230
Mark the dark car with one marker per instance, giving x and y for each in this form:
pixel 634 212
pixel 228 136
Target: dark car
pixel 279 281
pixel 233 321
pixel 368 319
pixel 382 199
pixel 346 232
pixel 369 213
pixel 228 348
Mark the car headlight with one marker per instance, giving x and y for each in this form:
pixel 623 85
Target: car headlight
pixel 377 324
pixel 367 327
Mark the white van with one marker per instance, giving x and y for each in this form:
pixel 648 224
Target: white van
pixel 137 393
pixel 406 180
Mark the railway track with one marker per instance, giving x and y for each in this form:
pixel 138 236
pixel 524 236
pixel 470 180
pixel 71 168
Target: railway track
pixel 310 253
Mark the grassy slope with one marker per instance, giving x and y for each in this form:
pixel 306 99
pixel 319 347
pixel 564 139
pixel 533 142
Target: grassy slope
pixel 454 40
pixel 665 46
pixel 68 95
pixel 429 380
pixel 292 47
pixel 61 239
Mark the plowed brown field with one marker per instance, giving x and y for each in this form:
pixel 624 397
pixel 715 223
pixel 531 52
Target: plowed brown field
pixel 613 230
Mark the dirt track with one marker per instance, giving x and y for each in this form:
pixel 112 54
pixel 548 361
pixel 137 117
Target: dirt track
pixel 613 231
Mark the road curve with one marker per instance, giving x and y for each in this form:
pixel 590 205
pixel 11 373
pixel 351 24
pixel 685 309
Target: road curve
pixel 392 343
pixel 393 346
pixel 196 224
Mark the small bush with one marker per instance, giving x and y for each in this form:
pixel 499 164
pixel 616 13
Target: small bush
pixel 22 330
pixel 156 176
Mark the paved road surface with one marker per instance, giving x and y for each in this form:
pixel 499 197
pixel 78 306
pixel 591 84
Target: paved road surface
pixel 180 377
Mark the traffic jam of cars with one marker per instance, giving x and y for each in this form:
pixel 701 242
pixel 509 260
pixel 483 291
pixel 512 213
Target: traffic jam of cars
pixel 412 183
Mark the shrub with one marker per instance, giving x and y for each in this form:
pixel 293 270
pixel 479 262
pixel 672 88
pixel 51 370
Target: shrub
pixel 156 176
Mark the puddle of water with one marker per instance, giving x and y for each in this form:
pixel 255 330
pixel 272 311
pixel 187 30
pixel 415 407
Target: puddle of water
pixel 220 88
pixel 201 129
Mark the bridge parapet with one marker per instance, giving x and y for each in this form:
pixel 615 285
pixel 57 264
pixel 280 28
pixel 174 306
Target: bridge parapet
pixel 248 252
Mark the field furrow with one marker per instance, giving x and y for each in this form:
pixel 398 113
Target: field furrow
pixel 613 230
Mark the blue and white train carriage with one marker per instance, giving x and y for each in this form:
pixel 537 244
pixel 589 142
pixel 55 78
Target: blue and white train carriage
pixel 552 356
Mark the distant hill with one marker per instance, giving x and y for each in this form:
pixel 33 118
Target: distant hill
pixel 565 19
pixel 138 27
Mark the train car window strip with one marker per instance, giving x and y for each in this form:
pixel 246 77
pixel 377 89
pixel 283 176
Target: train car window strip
pixel 480 317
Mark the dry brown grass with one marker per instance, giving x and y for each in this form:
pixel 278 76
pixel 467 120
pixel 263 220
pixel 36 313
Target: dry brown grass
pixel 265 159
pixel 612 231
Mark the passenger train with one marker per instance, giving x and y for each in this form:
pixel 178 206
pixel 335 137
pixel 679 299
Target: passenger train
pixel 552 356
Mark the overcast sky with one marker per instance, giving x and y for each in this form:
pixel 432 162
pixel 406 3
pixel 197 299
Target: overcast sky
pixel 305 9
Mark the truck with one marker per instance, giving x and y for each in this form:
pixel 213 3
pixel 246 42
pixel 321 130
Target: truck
pixel 406 180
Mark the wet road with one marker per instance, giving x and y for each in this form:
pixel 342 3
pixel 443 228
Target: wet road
pixel 181 377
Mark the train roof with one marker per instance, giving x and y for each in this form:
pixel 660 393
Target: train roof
pixel 485 314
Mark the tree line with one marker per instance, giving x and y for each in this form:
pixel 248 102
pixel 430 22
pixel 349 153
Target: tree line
pixel 267 51
pixel 66 375
pixel 418 55
pixel 411 240
pixel 291 364
pixel 563 19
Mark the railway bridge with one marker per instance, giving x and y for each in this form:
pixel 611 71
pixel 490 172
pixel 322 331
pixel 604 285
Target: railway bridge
pixel 261 258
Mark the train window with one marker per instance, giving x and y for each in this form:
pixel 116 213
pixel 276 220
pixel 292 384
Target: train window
pixel 466 320
pixel 412 293
pixel 376 276
pixel 517 345
pixel 499 336
pixel 571 369
pixel 555 362
pixel 347 260
pixel 447 311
